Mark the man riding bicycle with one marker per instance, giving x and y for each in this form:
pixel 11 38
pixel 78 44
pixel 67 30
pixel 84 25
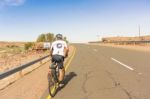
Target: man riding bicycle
pixel 59 51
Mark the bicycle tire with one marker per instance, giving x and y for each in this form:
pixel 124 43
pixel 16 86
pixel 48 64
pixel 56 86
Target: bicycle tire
pixel 52 85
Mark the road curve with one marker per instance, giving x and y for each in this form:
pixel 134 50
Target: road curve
pixel 96 72
pixel 99 72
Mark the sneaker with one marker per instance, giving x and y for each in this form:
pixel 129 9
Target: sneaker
pixel 61 85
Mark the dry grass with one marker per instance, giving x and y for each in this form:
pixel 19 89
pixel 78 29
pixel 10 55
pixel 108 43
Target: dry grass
pixel 12 54
pixel 7 62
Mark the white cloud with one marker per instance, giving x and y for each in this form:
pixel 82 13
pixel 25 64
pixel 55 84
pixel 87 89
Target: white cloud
pixel 4 3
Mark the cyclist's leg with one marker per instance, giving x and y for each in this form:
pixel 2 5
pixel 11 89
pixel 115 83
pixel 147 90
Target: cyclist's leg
pixel 61 69
pixel 53 62
pixel 61 74
pixel 53 67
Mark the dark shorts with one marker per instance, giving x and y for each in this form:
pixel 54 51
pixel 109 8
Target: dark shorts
pixel 59 60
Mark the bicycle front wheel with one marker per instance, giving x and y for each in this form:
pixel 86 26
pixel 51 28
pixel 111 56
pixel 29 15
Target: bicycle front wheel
pixel 52 86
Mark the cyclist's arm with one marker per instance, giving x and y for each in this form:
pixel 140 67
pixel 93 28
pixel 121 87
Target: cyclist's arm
pixel 51 50
pixel 66 50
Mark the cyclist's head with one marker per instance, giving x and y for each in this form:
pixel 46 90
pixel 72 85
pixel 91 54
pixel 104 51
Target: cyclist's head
pixel 59 37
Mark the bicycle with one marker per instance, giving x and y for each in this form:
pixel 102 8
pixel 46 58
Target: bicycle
pixel 53 81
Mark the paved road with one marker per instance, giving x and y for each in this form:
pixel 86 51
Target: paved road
pixel 98 72
pixel 30 86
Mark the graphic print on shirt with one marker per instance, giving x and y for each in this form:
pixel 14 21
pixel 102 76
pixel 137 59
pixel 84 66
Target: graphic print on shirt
pixel 59 46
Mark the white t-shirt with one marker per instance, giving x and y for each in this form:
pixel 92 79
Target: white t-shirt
pixel 58 47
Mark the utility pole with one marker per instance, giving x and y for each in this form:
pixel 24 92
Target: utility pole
pixel 139 31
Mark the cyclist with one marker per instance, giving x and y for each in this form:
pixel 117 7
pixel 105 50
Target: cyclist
pixel 59 51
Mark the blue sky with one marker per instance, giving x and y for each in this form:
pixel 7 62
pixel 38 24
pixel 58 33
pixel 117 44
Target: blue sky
pixel 79 20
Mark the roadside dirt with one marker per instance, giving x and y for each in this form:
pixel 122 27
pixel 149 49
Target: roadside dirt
pixel 129 47
pixel 31 86
pixel 9 62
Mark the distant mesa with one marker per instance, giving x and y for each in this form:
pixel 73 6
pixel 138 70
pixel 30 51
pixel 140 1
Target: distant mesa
pixel 118 39
pixel 112 39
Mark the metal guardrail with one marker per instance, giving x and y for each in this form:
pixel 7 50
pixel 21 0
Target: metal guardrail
pixel 19 68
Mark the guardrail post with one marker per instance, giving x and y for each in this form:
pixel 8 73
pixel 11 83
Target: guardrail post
pixel 40 61
pixel 20 73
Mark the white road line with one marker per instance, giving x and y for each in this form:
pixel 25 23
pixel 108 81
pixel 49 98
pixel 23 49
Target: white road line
pixel 95 50
pixel 140 73
pixel 122 64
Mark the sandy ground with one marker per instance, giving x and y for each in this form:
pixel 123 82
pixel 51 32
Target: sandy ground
pixel 18 59
pixel 129 47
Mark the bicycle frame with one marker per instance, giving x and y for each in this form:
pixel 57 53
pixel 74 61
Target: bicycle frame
pixel 53 80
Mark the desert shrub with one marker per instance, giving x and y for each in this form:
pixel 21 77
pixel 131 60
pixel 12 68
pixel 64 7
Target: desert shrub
pixel 17 50
pixel 12 46
pixel 28 45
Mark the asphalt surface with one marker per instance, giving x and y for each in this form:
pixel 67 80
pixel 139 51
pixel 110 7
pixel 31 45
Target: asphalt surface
pixel 96 72
pixel 99 72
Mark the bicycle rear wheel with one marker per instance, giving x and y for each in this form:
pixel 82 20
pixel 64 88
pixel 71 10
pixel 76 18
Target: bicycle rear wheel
pixel 52 85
